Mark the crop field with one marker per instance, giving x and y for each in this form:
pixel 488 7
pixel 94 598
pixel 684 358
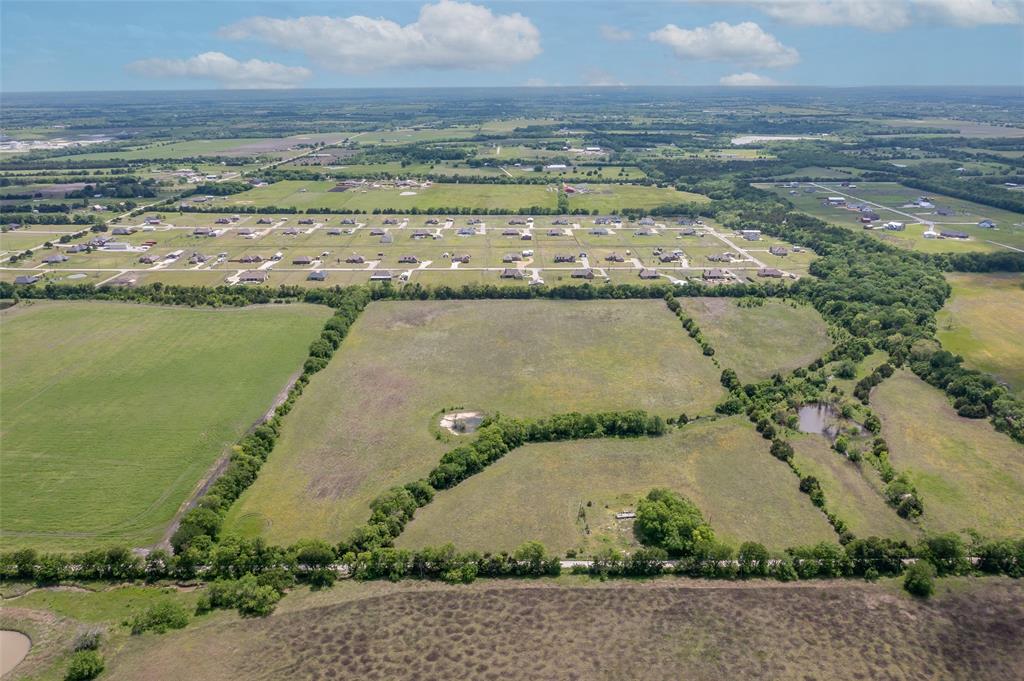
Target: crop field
pixel 759 341
pixel 969 475
pixel 972 629
pixel 984 321
pixel 367 422
pixel 566 494
pixel 853 490
pixel 113 412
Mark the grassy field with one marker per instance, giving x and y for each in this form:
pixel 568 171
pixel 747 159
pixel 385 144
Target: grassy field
pixel 561 629
pixel 572 491
pixel 853 491
pixel 757 342
pixel 306 194
pixel 984 322
pixel 113 412
pixel 969 476
pixel 365 423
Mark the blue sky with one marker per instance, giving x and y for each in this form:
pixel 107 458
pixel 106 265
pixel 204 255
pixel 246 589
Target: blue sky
pixel 97 45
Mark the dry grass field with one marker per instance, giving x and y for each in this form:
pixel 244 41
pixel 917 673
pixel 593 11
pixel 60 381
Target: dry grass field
pixel 969 476
pixel 566 494
pixel 367 422
pixel 578 629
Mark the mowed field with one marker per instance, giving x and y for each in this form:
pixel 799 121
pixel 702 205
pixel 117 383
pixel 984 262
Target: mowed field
pixel 759 341
pixel 579 629
pixel 969 475
pixel 367 422
pixel 113 412
pixel 566 494
pixel 984 321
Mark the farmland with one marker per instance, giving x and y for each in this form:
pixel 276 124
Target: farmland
pixel 984 322
pixel 404 363
pixel 969 475
pixel 516 630
pixel 576 488
pixel 757 342
pixel 112 413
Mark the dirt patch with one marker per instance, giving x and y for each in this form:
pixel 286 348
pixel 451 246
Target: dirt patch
pixel 461 422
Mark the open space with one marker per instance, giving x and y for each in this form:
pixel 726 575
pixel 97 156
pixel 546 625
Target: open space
pixel 367 422
pixel 984 321
pixel 757 342
pixel 969 476
pixel 112 412
pixel 566 494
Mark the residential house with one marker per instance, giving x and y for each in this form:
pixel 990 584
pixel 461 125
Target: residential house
pixel 511 273
pixel 317 275
pixel 380 275
pixel 586 273
pixel 26 279
pixel 253 277
pixel 55 258
pixel 302 260
pixel 565 258
pixel 355 259
pixel 770 272
pixel 779 250
pixel 408 259
pixel 715 274
pixel 614 257
pixel 647 273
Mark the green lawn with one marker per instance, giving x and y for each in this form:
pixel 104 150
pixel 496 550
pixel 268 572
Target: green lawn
pixel 366 422
pixel 984 321
pixel 566 494
pixel 969 476
pixel 760 341
pixel 113 412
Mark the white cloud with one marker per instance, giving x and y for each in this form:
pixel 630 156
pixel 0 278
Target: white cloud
pixel 600 78
pixel 745 43
pixel 971 12
pixel 884 15
pixel 881 15
pixel 446 35
pixel 747 79
pixel 227 71
pixel 614 34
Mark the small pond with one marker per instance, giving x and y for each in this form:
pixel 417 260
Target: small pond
pixel 14 646
pixel 823 419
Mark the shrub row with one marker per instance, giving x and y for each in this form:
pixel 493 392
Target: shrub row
pixel 862 391
pixel 690 325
